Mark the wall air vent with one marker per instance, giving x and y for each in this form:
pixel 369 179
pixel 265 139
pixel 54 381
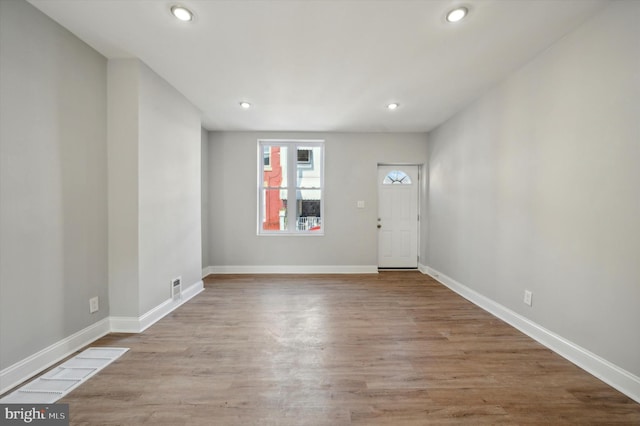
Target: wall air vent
pixel 176 288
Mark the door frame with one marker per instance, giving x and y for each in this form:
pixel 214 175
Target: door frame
pixel 419 219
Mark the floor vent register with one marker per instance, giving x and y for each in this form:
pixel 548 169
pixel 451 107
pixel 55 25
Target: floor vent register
pixel 54 384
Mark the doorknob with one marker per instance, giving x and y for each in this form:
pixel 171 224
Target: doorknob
pixel 379 226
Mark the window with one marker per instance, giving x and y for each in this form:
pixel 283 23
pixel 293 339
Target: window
pixel 396 177
pixel 290 187
pixel 304 156
pixel 267 158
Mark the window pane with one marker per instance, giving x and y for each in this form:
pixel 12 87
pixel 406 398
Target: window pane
pixel 308 210
pixel 308 172
pixel 397 177
pixel 275 210
pixel 275 176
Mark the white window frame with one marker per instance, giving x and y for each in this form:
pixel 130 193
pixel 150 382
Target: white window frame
pixel 291 185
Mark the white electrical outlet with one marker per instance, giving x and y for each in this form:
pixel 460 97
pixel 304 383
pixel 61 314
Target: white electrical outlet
pixel 527 297
pixel 94 305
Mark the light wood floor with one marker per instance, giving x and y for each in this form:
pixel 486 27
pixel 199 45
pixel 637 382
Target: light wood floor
pixel 395 349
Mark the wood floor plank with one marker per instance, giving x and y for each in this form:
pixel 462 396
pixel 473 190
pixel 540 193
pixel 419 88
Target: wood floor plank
pixel 395 348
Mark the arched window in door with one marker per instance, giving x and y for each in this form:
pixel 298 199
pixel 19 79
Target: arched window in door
pixel 396 177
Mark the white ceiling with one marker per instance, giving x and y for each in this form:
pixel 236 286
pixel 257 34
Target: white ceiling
pixel 327 65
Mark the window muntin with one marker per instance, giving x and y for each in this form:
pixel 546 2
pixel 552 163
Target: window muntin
pixel 277 184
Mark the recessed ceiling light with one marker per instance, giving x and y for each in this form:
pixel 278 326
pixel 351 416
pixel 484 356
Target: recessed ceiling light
pixel 245 105
pixel 457 14
pixel 182 13
pixel 393 106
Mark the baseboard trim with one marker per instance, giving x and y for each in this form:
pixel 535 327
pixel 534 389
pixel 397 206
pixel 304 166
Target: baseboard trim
pixel 23 370
pixel 34 364
pixel 292 269
pixel 614 376
pixel 207 271
pixel 141 323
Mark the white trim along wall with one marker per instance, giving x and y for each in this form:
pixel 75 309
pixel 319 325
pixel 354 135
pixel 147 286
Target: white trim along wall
pixel 290 269
pixel 614 376
pixel 40 361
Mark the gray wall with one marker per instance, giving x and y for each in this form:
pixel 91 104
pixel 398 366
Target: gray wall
pixel 154 188
pixel 536 186
pixel 350 175
pixel 169 190
pixel 53 182
pixel 122 148
pixel 204 194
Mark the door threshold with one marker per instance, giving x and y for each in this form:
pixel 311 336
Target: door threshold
pixel 398 269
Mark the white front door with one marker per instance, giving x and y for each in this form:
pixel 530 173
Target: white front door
pixel 398 216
